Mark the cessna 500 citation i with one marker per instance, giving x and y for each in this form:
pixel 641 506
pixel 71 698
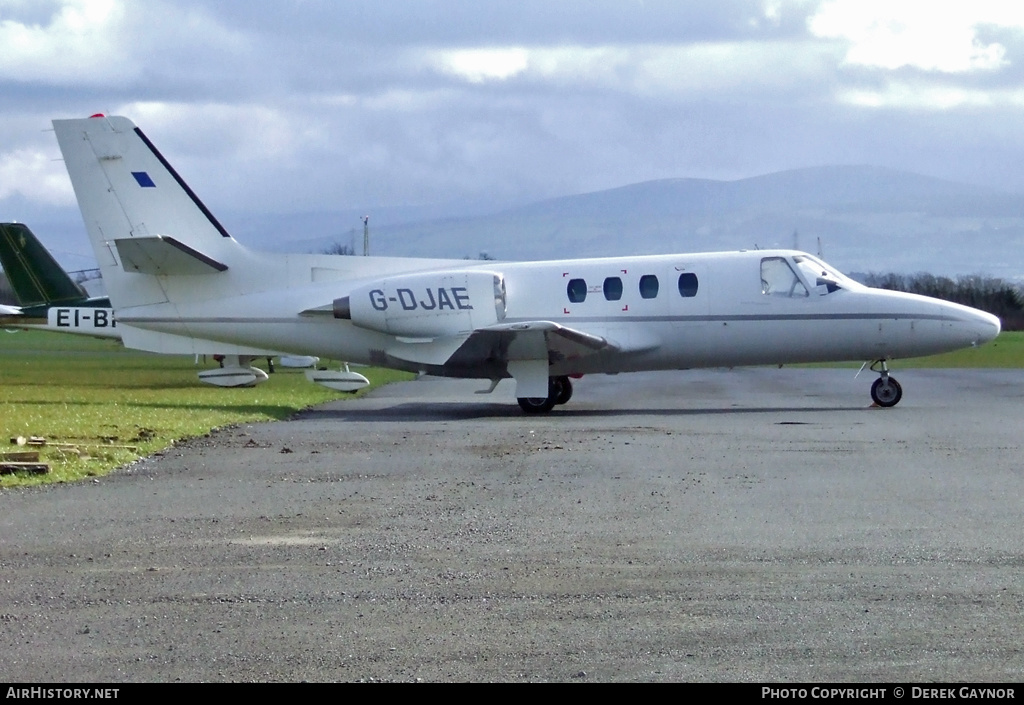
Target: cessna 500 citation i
pixel 181 284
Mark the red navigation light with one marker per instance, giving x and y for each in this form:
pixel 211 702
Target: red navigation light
pixel 97 115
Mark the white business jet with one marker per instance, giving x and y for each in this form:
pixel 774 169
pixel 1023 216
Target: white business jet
pixel 181 284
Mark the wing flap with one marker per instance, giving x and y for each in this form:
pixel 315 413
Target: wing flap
pixel 570 335
pixel 527 340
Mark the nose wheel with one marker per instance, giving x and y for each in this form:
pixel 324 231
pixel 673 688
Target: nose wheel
pixel 885 391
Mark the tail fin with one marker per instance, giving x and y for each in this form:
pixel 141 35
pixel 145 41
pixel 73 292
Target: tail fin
pixel 34 274
pixel 139 213
pixel 158 247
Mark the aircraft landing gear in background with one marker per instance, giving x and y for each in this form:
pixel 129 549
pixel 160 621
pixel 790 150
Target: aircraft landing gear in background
pixel 885 391
pixel 559 392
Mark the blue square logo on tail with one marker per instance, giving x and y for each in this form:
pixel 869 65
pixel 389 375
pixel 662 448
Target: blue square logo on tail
pixel 143 179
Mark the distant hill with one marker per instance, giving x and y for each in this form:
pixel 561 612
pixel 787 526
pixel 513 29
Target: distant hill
pixel 836 188
pixel 867 219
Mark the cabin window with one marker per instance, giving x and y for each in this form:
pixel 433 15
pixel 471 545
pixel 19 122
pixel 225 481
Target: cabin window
pixel 577 290
pixel 779 279
pixel 613 288
pixel 648 286
pixel 688 285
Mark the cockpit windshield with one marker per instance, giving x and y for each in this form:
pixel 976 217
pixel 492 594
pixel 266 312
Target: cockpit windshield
pixel 801 275
pixel 819 274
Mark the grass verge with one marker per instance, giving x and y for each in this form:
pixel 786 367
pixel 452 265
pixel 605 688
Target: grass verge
pixel 107 406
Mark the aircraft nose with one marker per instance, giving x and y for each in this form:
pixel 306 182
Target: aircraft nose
pixel 982 327
pixel 990 327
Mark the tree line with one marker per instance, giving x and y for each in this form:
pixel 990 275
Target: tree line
pixel 997 296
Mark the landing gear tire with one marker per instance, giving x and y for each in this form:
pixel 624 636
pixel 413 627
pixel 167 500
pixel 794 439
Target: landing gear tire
pixel 558 388
pixel 536 405
pixel 886 392
pixel 564 386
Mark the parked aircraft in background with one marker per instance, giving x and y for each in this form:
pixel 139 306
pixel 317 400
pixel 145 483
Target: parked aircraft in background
pixel 181 284
pixel 51 300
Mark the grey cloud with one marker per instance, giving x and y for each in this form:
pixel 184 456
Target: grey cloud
pixel 465 22
pixel 317 104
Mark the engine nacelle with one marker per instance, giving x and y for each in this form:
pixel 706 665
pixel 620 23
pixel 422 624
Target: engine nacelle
pixel 428 305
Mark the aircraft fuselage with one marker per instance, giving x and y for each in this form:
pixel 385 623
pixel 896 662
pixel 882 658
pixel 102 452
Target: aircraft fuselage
pixel 656 312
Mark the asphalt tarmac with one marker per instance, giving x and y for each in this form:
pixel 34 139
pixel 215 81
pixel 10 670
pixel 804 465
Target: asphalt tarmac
pixel 745 525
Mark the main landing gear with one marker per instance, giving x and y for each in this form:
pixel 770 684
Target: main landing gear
pixel 885 391
pixel 559 392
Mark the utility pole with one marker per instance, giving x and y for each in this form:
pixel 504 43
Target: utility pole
pixel 366 235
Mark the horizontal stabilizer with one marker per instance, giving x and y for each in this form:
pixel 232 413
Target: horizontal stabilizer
pixel 164 255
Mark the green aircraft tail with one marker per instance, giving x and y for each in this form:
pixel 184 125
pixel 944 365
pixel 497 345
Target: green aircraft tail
pixel 32 271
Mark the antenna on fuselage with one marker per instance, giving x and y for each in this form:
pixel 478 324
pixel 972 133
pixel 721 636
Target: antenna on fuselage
pixel 366 235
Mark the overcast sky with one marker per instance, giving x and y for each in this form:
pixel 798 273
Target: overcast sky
pixel 318 104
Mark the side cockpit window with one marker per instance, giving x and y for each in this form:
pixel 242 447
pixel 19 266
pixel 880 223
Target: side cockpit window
pixel 779 279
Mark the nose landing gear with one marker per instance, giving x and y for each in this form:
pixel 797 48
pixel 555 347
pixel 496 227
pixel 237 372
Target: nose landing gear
pixel 885 391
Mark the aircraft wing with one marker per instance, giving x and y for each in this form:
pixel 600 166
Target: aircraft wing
pixel 528 340
pixel 506 343
pixel 559 339
pixel 9 310
pixel 532 340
